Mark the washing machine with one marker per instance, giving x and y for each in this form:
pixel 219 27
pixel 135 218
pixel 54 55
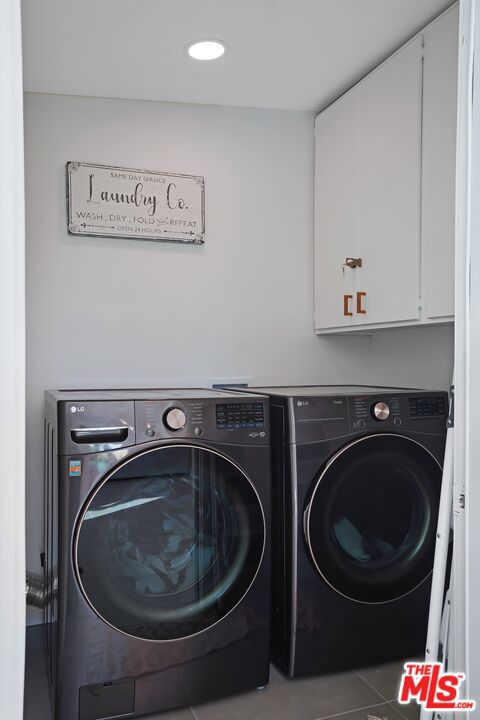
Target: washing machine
pixel 157 559
pixel 357 474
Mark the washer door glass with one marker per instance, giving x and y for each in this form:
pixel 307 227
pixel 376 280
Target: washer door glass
pixel 169 543
pixel 371 521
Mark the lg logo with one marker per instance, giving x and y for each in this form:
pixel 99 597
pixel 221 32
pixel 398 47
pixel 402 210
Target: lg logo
pixel 77 408
pixel 303 403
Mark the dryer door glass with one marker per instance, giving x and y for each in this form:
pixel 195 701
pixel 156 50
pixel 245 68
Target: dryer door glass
pixel 372 517
pixel 169 543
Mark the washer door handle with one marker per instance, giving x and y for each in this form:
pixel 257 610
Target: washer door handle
pixel 91 436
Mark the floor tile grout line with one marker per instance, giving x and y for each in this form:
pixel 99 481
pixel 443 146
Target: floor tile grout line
pixel 347 712
pixel 193 712
pixel 370 686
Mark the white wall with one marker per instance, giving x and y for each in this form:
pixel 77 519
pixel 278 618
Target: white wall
pixel 411 357
pixel 12 365
pixel 111 313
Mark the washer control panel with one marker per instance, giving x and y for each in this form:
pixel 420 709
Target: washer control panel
pixel 233 416
pixel 175 419
pixel 226 420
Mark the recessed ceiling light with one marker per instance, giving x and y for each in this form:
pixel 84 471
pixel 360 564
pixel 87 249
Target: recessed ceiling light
pixel 206 49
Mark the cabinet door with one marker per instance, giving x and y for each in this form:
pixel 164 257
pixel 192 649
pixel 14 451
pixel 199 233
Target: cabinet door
pixel 335 213
pixel 388 169
pixel 367 198
pixel 439 149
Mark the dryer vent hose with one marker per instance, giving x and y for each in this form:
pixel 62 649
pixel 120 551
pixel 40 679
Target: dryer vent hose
pixel 35 592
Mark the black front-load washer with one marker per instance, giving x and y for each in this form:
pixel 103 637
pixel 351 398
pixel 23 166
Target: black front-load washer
pixel 357 474
pixel 157 536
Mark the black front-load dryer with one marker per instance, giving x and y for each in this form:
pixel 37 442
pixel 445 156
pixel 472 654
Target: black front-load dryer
pixel 356 486
pixel 157 538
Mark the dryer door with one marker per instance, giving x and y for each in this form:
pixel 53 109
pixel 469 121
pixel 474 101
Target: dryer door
pixel 169 543
pixel 371 521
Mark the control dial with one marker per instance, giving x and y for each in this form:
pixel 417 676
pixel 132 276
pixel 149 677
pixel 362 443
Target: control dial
pixel 380 411
pixel 175 419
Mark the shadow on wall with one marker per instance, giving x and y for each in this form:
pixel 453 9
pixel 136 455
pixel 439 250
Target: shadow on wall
pixel 419 357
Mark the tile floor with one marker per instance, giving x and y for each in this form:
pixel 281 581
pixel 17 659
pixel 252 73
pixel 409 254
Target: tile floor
pixel 367 694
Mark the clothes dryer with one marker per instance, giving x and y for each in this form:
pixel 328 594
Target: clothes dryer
pixel 357 475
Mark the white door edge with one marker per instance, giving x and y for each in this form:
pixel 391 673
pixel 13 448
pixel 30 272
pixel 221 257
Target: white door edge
pixel 12 365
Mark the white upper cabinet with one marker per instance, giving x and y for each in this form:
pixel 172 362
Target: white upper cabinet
pixel 388 170
pixel 384 191
pixel 335 212
pixel 439 149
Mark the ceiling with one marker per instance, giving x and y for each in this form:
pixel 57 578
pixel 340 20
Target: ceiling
pixel 290 54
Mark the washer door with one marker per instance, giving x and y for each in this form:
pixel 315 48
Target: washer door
pixel 371 522
pixel 169 543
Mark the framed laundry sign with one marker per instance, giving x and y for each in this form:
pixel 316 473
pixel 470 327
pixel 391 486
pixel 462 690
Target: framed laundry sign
pixel 106 201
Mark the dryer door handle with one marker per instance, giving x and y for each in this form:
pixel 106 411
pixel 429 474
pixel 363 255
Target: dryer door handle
pixel 305 516
pixel 92 436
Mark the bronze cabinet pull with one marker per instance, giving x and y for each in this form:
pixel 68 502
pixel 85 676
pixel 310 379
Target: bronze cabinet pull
pixel 360 308
pixel 346 305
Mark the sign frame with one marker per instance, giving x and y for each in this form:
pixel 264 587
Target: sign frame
pixel 158 234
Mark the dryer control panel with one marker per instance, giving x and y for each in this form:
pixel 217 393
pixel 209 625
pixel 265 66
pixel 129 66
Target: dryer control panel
pixel 422 412
pixel 329 417
pixel 427 407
